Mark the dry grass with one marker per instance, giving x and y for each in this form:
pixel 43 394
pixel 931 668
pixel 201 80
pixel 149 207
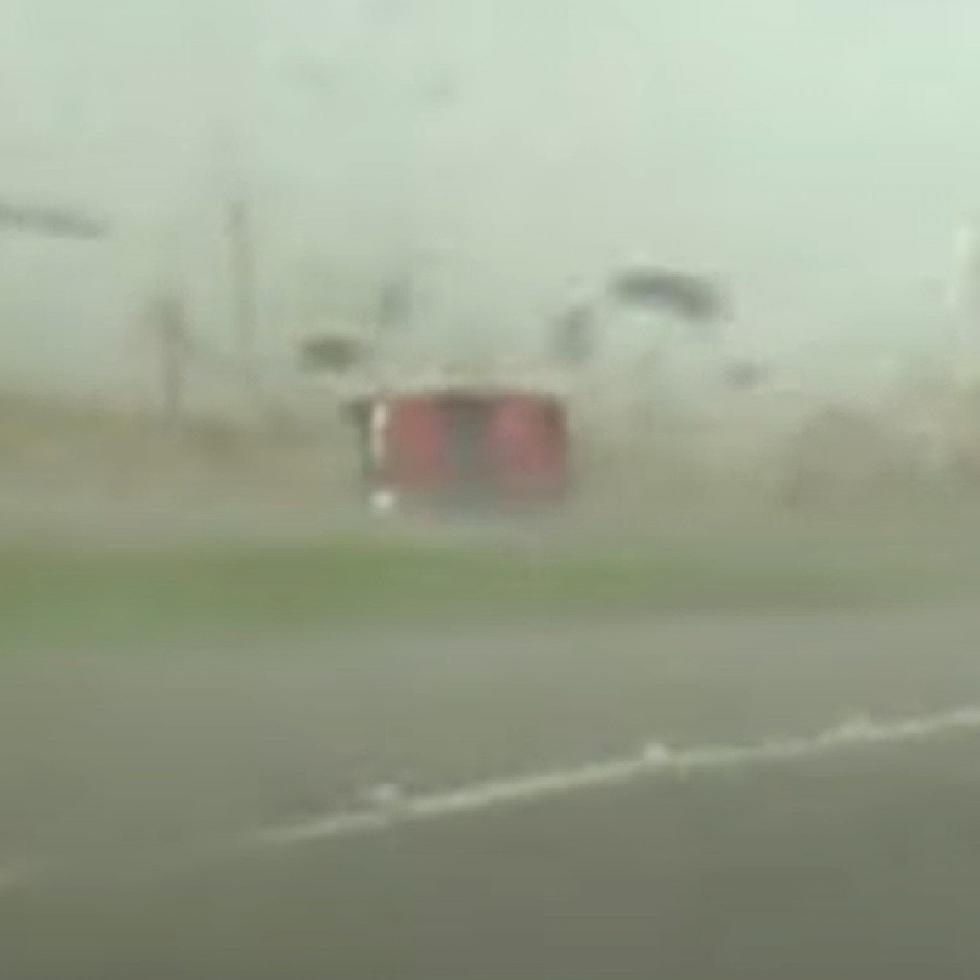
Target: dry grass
pixel 63 444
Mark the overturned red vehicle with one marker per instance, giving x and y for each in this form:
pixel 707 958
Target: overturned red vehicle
pixel 463 445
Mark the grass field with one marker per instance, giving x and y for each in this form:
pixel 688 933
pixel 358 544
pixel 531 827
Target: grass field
pixel 83 596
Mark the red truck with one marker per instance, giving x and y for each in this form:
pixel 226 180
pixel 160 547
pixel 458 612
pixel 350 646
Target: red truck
pixel 463 445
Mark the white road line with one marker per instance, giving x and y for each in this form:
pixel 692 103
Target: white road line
pixel 653 760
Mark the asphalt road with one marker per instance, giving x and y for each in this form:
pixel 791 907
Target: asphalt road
pixel 125 777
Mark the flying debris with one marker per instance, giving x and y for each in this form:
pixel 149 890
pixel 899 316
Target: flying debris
pixel 440 89
pixel 51 221
pixel 396 301
pixel 385 9
pixel 574 335
pixel 332 353
pixel 745 375
pixel 693 297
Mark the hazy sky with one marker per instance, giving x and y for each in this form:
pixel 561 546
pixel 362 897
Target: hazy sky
pixel 816 154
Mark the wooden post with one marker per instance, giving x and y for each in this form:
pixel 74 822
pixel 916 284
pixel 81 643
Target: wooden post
pixel 168 327
pixel 245 296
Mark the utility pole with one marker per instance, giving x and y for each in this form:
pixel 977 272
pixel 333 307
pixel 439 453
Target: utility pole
pixel 244 284
pixel 964 292
pixel 239 228
pixel 168 328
